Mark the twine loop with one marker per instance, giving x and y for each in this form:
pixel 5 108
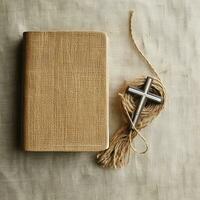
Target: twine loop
pixel 134 131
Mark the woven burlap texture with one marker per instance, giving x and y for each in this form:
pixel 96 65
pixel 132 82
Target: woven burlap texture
pixel 65 91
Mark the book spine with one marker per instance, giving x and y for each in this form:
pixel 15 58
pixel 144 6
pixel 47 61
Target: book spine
pixel 27 51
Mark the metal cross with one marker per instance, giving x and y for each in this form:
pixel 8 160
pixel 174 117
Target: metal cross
pixel 145 95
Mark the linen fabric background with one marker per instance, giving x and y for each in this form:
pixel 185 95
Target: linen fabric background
pixel 167 31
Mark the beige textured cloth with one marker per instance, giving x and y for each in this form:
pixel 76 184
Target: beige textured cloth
pixel 66 93
pixel 167 31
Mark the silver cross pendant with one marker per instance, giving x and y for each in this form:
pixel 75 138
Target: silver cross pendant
pixel 144 96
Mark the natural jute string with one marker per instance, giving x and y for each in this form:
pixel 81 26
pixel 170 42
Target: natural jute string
pixel 118 153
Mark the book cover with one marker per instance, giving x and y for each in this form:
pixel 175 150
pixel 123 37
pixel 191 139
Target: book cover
pixel 65 91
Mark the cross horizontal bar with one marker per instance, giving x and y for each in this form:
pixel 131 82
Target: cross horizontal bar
pixel 148 95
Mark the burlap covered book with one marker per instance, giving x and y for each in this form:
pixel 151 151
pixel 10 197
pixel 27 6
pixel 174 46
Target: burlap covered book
pixel 65 91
